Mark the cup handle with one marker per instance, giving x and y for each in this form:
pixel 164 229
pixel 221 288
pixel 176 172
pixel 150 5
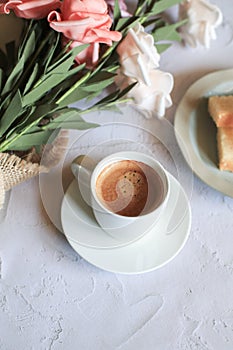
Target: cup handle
pixel 82 168
pixel 82 163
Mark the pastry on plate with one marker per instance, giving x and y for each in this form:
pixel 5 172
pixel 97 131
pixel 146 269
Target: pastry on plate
pixel 221 110
pixel 225 148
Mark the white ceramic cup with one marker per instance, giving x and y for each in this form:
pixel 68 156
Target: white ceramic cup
pixel 124 229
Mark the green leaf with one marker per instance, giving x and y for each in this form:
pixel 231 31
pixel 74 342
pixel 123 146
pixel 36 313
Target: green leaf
pixel 76 125
pixel 162 47
pixel 27 141
pixel 72 53
pixel 109 98
pixel 143 6
pixel 116 12
pixel 12 112
pixel 51 52
pixel 70 118
pixel 74 96
pixel 59 69
pixel 121 23
pixel 99 82
pixel 114 96
pixel 91 88
pixel 111 107
pixel 142 3
pixel 31 79
pixel 168 32
pixel 154 24
pixel 35 94
pixel 14 76
pixel 63 67
pixel 17 127
pixel 125 23
pixel 29 46
pixel 73 90
pixel 46 85
pixel 30 25
pixel 33 114
pixel 162 5
pixel 40 112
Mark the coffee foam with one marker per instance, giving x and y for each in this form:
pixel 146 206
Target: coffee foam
pixel 129 188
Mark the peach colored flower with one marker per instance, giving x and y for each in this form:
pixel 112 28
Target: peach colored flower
pixel 30 9
pixel 85 22
pixel 90 55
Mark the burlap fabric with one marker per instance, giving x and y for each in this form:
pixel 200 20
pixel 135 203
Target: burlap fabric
pixel 15 169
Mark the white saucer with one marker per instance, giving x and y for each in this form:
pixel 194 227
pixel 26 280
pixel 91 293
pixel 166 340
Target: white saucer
pixel 156 248
pixel 196 131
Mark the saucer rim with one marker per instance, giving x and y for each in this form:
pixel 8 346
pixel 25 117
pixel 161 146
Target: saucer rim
pixel 188 217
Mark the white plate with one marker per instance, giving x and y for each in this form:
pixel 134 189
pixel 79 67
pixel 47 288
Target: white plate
pixel 152 251
pixel 196 131
pixel 79 223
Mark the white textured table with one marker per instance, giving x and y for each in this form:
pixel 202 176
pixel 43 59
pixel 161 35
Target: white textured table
pixel 50 298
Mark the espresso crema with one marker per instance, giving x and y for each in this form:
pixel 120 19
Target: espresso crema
pixel 129 188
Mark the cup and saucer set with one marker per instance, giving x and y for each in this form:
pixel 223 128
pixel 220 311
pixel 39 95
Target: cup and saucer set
pixel 126 214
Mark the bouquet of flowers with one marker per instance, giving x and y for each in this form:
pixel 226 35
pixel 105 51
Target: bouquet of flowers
pixel 71 50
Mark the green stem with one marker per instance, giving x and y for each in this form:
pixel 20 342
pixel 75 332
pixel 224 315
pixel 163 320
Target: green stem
pixel 5 146
pixel 139 10
pixel 75 86
pixel 110 104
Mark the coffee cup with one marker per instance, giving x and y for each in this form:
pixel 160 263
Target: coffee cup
pixel 127 191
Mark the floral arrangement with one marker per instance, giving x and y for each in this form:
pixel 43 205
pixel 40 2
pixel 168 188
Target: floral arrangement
pixel 71 50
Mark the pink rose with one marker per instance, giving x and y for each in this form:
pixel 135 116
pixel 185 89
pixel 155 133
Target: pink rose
pixel 29 9
pixel 84 22
pixel 90 55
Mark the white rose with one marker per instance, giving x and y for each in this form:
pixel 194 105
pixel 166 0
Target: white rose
pixel 137 54
pixel 139 60
pixel 203 19
pixel 153 98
